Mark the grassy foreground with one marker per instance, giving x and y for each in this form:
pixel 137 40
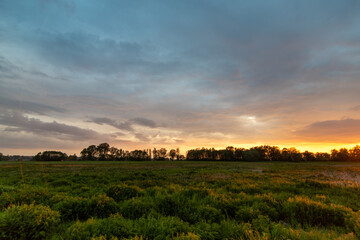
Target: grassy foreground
pixel 179 200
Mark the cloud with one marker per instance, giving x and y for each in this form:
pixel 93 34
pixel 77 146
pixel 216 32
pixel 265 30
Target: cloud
pixel 28 106
pixel 355 108
pixel 144 122
pixel 342 131
pixel 80 51
pixel 141 137
pixel 119 125
pixel 17 122
pixel 125 125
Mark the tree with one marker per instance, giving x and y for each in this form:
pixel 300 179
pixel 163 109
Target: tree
pixel 50 156
pixel 251 155
pixel 177 154
pixel 274 153
pixel 162 153
pixel 355 153
pixel 172 154
pixel 322 156
pixel 344 154
pixel 103 150
pixel 113 151
pixel 119 154
pixel 89 153
pixel 73 157
pixel 334 155
pixel 291 155
pixel 239 154
pixel 308 156
pixel 340 155
pixel 155 154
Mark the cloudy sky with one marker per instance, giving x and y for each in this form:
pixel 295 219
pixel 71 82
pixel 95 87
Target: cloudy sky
pixel 141 74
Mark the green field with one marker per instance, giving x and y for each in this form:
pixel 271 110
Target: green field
pixel 179 200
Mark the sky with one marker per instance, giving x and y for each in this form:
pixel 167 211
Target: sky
pixel 187 74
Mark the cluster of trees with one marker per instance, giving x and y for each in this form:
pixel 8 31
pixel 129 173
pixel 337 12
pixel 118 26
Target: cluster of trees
pixel 3 158
pixel 14 157
pixel 272 153
pixel 104 152
pixel 53 156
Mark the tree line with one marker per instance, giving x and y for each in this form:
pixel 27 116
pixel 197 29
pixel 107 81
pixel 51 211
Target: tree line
pixel 272 153
pixel 105 152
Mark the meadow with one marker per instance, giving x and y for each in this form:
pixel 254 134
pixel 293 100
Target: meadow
pixel 179 200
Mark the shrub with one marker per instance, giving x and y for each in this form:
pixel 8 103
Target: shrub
pixel 28 196
pixel 123 192
pixel 73 208
pixel 6 199
pixel 188 236
pixel 278 231
pixel 246 214
pixel 113 226
pixel 160 228
pixel 135 208
pixel 60 183
pixel 209 214
pixel 102 237
pixel 193 213
pixel 308 212
pixel 167 206
pixel 27 222
pixel 192 192
pixel 226 230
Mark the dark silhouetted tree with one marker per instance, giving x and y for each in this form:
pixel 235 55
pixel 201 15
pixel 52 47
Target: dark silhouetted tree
pixel 103 150
pixel 172 154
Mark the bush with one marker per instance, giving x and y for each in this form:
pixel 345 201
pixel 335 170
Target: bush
pixel 28 196
pixel 278 231
pixel 246 214
pixel 167 206
pixel 113 226
pixel 188 236
pixel 6 199
pixel 192 192
pixel 27 222
pixel 160 228
pixel 308 212
pixel 123 192
pixel 135 208
pixel 73 208
pixel 60 183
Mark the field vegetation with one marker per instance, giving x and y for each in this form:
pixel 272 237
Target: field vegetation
pixel 179 200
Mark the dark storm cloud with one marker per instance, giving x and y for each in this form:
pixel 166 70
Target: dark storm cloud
pixel 17 122
pixel 346 130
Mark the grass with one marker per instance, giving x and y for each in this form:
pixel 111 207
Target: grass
pixel 179 200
